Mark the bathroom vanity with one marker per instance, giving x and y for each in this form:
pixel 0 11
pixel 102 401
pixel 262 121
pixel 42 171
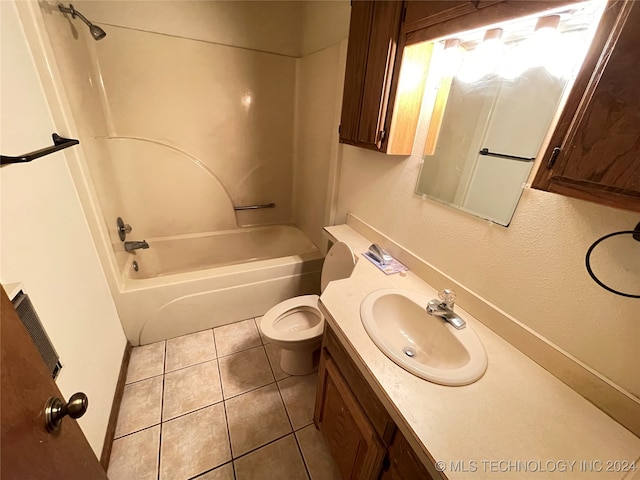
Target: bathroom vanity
pixel 516 421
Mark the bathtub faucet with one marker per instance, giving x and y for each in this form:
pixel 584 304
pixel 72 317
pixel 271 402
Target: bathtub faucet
pixel 131 246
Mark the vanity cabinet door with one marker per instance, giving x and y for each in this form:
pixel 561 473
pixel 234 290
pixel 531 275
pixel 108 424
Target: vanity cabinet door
pixel 594 153
pixel 371 57
pixel 402 462
pixel 352 440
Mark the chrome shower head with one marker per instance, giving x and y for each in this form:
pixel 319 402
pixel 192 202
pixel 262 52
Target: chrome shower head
pixel 96 32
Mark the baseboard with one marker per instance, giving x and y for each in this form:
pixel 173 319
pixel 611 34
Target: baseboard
pixel 115 408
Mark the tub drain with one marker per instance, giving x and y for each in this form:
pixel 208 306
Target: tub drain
pixel 409 352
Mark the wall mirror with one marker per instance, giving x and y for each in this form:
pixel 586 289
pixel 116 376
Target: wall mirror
pixel 491 96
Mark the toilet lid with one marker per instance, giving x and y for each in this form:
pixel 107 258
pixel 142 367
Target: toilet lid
pixel 338 264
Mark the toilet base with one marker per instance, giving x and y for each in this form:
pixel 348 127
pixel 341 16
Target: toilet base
pixel 299 361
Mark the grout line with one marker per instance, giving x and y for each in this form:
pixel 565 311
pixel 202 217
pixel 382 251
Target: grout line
pixel 304 460
pixel 242 350
pixel 190 412
pixel 211 470
pixel 189 366
pixel 136 431
pixel 143 379
pixel 226 419
pixel 262 446
pixel 162 410
pixel 294 431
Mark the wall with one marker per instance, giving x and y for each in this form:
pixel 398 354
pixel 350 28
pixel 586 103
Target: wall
pixel 45 241
pixel 319 83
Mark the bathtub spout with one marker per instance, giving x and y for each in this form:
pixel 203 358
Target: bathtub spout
pixel 131 246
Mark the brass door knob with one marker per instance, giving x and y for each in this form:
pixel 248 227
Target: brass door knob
pixel 55 410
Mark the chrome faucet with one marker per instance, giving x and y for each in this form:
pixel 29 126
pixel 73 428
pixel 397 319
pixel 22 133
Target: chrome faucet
pixel 443 308
pixel 131 246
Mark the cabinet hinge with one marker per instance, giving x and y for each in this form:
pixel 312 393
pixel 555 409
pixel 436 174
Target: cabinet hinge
pixel 339 128
pixel 553 158
pixel 383 133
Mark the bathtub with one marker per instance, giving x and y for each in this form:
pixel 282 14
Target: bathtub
pixel 189 283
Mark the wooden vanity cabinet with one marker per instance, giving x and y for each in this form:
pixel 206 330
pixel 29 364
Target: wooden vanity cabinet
pixel 362 437
pixel 594 153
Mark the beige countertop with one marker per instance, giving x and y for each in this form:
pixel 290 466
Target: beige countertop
pixel 517 422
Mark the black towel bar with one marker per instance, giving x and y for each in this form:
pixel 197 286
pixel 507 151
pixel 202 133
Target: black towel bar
pixel 59 143
pixel 485 151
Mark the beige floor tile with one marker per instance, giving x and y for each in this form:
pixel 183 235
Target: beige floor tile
pixel 140 407
pixel 146 362
pixel 316 454
pixel 273 352
pixel 299 395
pixel 279 460
pixel 191 388
pixel 135 456
pixel 224 472
pixel 189 350
pixel 236 337
pixel 256 418
pixel 264 339
pixel 194 443
pixel 244 371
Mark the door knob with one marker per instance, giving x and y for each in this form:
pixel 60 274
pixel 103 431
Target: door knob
pixel 55 410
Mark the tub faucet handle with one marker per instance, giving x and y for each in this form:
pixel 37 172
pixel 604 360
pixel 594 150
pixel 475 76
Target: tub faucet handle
pixel 123 229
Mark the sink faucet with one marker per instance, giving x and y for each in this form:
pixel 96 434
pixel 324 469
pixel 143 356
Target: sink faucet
pixel 443 308
pixel 131 246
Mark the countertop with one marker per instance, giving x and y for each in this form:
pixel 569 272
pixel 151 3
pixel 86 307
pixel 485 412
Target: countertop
pixel 517 422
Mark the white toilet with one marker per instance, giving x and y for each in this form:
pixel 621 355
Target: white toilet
pixel 296 325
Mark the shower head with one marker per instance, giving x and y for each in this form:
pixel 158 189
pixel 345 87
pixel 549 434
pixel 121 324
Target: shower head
pixel 96 32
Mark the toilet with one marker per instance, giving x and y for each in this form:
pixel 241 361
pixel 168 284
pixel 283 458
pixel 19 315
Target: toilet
pixel 296 324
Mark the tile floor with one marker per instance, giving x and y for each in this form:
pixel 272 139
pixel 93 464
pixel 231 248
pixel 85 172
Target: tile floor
pixel 214 405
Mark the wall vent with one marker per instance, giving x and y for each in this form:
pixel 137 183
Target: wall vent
pixel 31 321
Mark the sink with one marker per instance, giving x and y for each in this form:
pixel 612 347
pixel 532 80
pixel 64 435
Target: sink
pixel 423 344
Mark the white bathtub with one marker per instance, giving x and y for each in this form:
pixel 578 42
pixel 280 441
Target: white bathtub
pixel 190 283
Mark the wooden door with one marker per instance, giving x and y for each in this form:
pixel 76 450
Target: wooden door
pixel 594 152
pixel 28 451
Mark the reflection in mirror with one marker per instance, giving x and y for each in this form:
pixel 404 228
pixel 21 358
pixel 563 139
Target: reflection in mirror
pixel 492 96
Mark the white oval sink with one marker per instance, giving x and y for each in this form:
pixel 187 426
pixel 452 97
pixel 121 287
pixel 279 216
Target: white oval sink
pixel 423 344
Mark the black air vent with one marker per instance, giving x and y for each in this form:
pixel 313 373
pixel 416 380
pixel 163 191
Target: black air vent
pixel 31 321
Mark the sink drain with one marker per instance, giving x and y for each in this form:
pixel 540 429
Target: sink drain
pixel 409 352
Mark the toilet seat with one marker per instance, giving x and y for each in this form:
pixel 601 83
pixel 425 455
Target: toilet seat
pixel 303 306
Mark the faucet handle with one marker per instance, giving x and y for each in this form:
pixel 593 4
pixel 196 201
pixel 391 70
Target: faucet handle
pixel 448 297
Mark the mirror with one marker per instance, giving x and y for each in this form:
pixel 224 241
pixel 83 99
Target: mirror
pixel 491 97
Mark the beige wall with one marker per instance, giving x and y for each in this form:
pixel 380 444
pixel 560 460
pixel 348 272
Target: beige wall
pixel 45 242
pixel 319 83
